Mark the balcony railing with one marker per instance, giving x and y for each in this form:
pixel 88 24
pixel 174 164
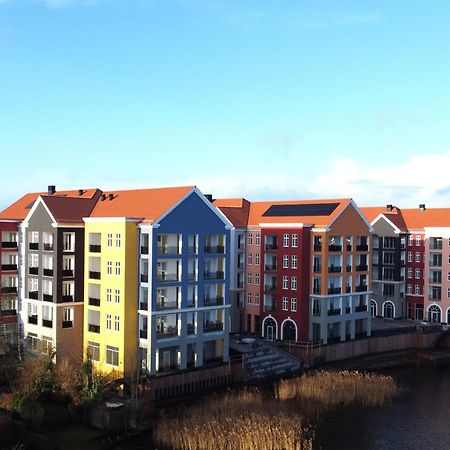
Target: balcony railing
pixel 212 301
pixel 362 248
pixel 168 250
pixel 95 248
pixel 33 270
pixel 33 245
pixel 190 328
pixel 94 275
pixel 48 272
pixel 192 276
pixel 144 278
pixel 47 297
pixel 361 308
pixel 93 328
pixel 361 268
pixel 48 247
pixel 435 280
pixel 167 305
pixel 67 273
pixel 348 289
pixel 270 266
pixel 67 324
pixel 361 288
pixel 191 302
pixel 143 306
pixel 94 301
pixel 167 277
pixel 334 290
pixel 272 246
pixel 8 312
pixel 33 320
pixel 67 298
pixel 209 327
pixel 218 275
pixel 335 248
pixel 143 334
pixel 334 269
pixel 334 312
pixel 47 323
pixel 270 287
pixel 144 249
pixel 192 249
pixel 9 267
pixel 214 249
pixel 167 331
pixel 33 295
pixel 348 310
pixel 9 244
pixel 269 307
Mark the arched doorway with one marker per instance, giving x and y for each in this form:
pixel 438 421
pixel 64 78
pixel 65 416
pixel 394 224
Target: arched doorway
pixel 388 310
pixel 434 314
pixel 270 329
pixel 373 308
pixel 289 330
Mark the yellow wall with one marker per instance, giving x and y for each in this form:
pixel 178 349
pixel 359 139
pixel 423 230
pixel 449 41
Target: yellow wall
pixel 126 338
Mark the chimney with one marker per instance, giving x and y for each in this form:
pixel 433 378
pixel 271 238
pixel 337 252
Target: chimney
pixel 422 206
pixel 80 192
pixel 103 197
pixel 389 207
pixel 209 197
pixel 51 189
pixel 110 196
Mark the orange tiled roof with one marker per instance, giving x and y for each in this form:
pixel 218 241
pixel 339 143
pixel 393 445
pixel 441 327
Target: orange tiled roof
pixel 432 217
pixel 145 204
pixel 235 209
pixel 19 209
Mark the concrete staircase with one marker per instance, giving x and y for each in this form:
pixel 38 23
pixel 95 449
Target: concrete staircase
pixel 269 361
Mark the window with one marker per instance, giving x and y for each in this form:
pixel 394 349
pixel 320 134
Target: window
pixel 249 298
pixel 249 259
pixel 33 341
pixel 285 304
pixel 108 321
pixel 449 259
pixel 256 299
pixel 117 296
pixel 116 323
pixel 117 239
pixel 256 278
pixel 410 256
pixel 295 240
pixel 448 276
pixel 285 240
pixel 249 278
pixel 293 283
pixel 417 257
pixel 112 356
pixel 417 289
pixel 108 295
pixel 109 267
pixel 293 304
pixel 285 282
pixel 47 345
pixel 409 288
pixel 418 240
pixel 294 262
pixel 117 267
pixel 257 258
pixel 257 239
pixel 410 240
pixel 69 242
pixel 417 274
pixel 409 272
pixel 250 239
pixel 285 261
pixel 94 351
pixel 109 240
pixel 448 292
pixel 68 315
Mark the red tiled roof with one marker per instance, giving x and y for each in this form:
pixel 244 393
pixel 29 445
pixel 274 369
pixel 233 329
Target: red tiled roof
pixel 145 204
pixel 235 209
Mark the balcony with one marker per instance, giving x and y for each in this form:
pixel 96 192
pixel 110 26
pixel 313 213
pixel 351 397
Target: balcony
pixel 8 312
pixel 162 305
pixel 143 334
pixel 93 328
pixel 9 267
pixel 48 272
pixel 33 320
pixel 67 324
pixel 317 247
pixel 167 277
pixel 93 301
pixel 348 268
pixel 348 289
pixel 167 331
pixel 192 276
pixel 47 297
pixel 212 301
pixel 9 244
pixel 191 302
pixel 48 247
pixel 334 269
pixel 335 248
pixel 270 287
pixel 67 273
pixel 218 275
pixel 143 306
pixel 270 267
pixel 214 249
pixel 47 323
pixel 362 248
pixel 190 328
pixel 348 310
pixel 269 307
pixel 94 275
pixel 67 298
pixel 348 248
pixel 435 280
pixel 144 249
pixel 168 250
pixel 33 246
pixel 33 270
pixel 33 295
pixel 209 327
pixel 95 248
pixel 144 278
pixel 334 312
pixel 334 290
pixel 361 308
pixel 361 268
pixel 361 288
pixel 273 246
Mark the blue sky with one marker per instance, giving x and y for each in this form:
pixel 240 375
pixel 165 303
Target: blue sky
pixel 265 99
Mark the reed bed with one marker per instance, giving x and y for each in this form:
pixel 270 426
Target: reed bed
pixel 339 388
pixel 242 421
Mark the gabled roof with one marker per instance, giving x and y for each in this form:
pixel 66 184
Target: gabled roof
pixel 19 209
pixel 145 204
pixel 417 220
pixel 235 209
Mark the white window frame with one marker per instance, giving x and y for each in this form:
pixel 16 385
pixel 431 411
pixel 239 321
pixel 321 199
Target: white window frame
pixel 109 240
pixel 417 257
pixel 294 304
pixel 110 350
pixel 418 240
pixel 286 240
pixel 257 259
pixel 108 321
pixel 109 267
pixel 250 239
pixel 285 306
pixel 117 296
pixel 108 295
pixel 409 273
pixel 257 278
pixel 257 239
pixel 294 262
pixel 116 323
pixel 249 298
pixel 256 299
pixel 249 259
pixel 295 240
pixel 410 256
pixel 417 289
pixel 118 240
pixel 117 268
pixel 285 282
pixel 293 283
pixel 249 278
pixel 285 261
pixel 417 274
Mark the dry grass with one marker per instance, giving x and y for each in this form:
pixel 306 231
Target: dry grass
pixel 242 421
pixel 340 388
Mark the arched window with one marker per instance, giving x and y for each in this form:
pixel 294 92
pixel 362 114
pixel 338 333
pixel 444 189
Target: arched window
pixel 388 310
pixel 289 330
pixel 270 330
pixel 434 314
pixel 373 308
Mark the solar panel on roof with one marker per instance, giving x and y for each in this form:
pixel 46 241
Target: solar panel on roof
pixel 306 209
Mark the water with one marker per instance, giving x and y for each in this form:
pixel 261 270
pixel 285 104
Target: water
pixel 420 419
